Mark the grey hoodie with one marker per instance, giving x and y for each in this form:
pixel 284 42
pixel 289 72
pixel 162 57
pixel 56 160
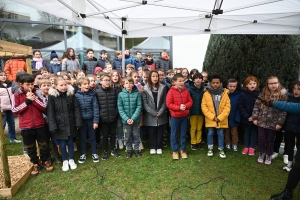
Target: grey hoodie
pixel 216 96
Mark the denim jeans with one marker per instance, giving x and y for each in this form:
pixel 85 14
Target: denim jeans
pixel 175 123
pixel 10 119
pixel 210 136
pixel 132 131
pixel 120 129
pixel 250 136
pixel 63 144
pixel 87 130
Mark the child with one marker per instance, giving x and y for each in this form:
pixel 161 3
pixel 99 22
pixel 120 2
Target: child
pixel 103 59
pixel 107 97
pixel 245 105
pixel 52 78
pixel 205 78
pixel 89 109
pixel 93 84
pixel 129 69
pixel 164 62
pixel 79 74
pixel 145 77
pixel 292 125
pixel 28 105
pixel 150 62
pixel 128 58
pixel 130 106
pixel 107 68
pixel 155 117
pixel 140 71
pixel 268 119
pixel 161 74
pixel 179 103
pixel 234 116
pixel 138 62
pixel 117 63
pixel 37 61
pixel 66 76
pixel 90 63
pixel 135 76
pixel 5 105
pixel 168 79
pixel 193 72
pixel 196 116
pixel 37 77
pixel 70 63
pixel 186 76
pixel 45 72
pixel 64 119
pixel 216 108
pixel 116 82
pixel 55 65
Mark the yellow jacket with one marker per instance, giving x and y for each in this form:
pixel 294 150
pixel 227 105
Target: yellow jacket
pixel 208 110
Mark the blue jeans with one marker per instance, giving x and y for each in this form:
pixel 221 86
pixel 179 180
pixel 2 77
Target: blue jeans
pixel 210 136
pixel 250 136
pixel 87 130
pixel 10 119
pixel 175 123
pixel 63 144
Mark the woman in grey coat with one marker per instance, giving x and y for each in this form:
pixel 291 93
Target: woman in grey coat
pixel 155 117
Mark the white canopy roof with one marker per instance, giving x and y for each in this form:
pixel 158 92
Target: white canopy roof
pixel 152 18
pixel 153 43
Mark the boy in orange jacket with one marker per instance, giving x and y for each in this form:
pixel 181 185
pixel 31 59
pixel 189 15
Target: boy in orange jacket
pixel 216 108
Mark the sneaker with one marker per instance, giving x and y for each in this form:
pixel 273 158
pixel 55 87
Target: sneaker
pixel 199 146
pixel 105 155
pixel 95 158
pixel 75 147
pixel 228 146
pixel 58 159
pixel 288 167
pixel 128 154
pixel 115 153
pixel 175 155
pixel 72 164
pixel 245 151
pixel 193 146
pixel 268 160
pixel 82 158
pixel 183 154
pixel 165 144
pixel 141 146
pixel 159 151
pixel 235 148
pixel 35 170
pixel 222 154
pixel 260 158
pixel 121 144
pixel 152 151
pixel 48 166
pixel 15 141
pixel 274 155
pixel 285 159
pixel 65 166
pixel 210 152
pixel 138 153
pixel 251 152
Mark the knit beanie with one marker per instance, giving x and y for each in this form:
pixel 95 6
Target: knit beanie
pixel 53 55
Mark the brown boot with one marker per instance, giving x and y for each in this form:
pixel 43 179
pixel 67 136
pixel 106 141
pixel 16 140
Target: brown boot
pixel 48 166
pixel 175 155
pixel 35 170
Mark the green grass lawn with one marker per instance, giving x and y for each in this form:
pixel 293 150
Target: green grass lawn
pixel 157 176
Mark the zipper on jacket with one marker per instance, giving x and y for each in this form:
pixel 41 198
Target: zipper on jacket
pixel 107 105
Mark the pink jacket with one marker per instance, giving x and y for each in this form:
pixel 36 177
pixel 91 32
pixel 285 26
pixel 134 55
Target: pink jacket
pixel 5 96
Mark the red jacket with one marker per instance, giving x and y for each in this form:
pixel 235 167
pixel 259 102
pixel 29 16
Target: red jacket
pixel 176 97
pixel 31 115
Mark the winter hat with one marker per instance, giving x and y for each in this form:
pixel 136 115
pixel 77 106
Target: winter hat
pixel 53 55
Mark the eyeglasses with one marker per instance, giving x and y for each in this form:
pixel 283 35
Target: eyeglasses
pixel 106 80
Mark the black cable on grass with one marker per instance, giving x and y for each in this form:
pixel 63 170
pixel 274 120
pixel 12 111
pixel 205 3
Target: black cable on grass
pixel 202 184
pixel 101 181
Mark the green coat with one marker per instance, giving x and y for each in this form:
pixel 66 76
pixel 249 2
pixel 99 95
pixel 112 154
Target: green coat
pixel 130 105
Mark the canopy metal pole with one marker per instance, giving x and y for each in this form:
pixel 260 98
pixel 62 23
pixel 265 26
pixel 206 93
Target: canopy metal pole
pixel 123 55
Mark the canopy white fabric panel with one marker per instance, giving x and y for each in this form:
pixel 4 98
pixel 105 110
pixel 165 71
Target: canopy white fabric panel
pixel 153 18
pixel 153 43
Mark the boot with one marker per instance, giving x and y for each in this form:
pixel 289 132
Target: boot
pixel 287 194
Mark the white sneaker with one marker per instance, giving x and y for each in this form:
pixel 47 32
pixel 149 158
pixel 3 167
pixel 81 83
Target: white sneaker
pixel 289 166
pixel 121 145
pixel 152 151
pixel 15 141
pixel 285 159
pixel 274 155
pixel 159 151
pixel 72 164
pixel 65 166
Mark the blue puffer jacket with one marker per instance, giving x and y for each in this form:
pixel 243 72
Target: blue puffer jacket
pixel 245 106
pixel 289 107
pixel 88 104
pixel 129 60
pixel 167 82
pixel 234 117
pixel 196 95
pixel 130 105
pixel 138 63
pixel 292 120
pixel 54 67
pixel 117 64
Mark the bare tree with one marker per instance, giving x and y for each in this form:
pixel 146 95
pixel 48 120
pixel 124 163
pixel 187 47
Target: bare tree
pixel 48 17
pixel 2 15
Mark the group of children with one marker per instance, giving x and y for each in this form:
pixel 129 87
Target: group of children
pixel 57 104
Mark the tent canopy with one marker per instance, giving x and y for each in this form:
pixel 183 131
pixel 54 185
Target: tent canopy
pixel 10 49
pixel 152 18
pixel 153 43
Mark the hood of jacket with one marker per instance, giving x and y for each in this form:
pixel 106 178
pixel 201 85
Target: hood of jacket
pixel 56 93
pixel 54 63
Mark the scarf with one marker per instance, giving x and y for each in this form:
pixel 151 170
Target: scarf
pixel 149 62
pixel 38 63
pixel 127 55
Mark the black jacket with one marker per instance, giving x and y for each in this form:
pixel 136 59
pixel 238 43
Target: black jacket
pixel 63 114
pixel 89 65
pixel 163 64
pixel 245 106
pixel 107 99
